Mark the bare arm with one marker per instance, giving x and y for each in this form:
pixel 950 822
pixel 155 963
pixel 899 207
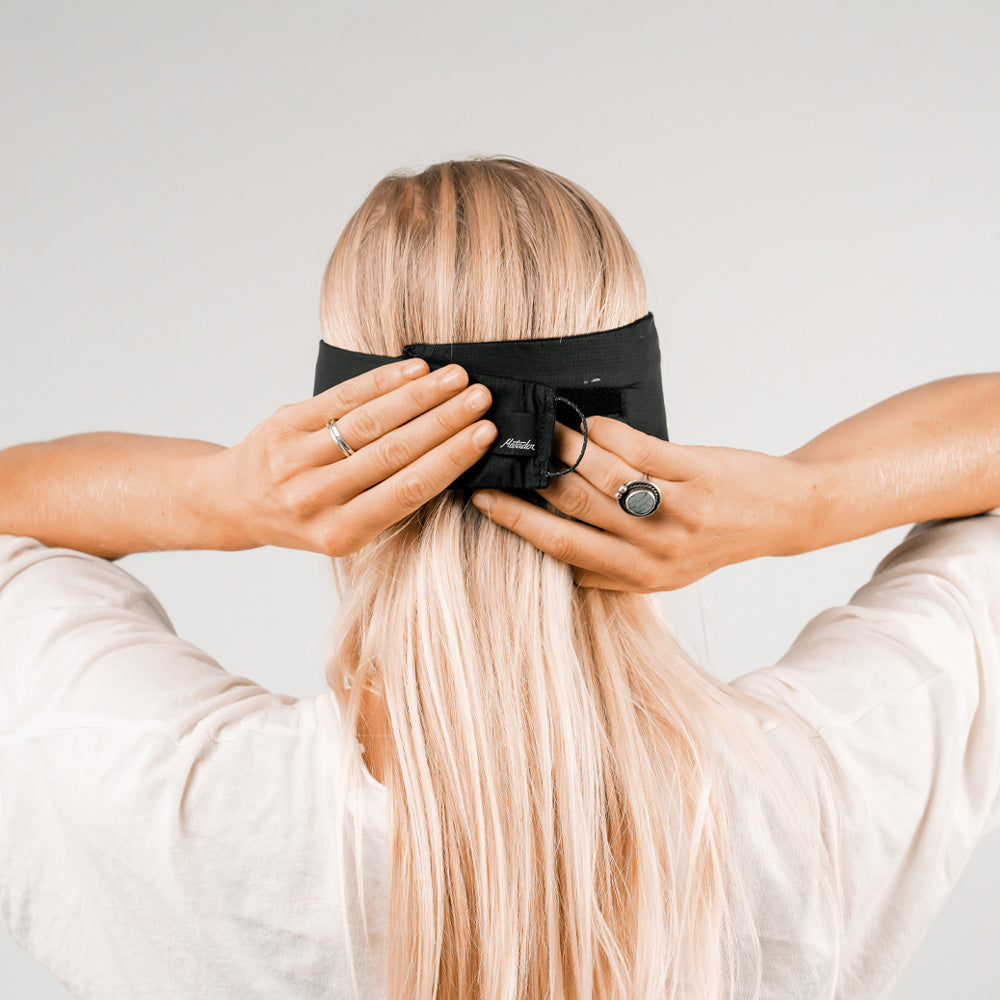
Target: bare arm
pixel 927 453
pixel 287 483
pixel 111 494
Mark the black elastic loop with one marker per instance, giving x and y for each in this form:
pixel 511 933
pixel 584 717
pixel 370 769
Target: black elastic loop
pixel 583 420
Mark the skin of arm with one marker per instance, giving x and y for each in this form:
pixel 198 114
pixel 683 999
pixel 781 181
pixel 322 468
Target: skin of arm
pixel 111 494
pixel 930 452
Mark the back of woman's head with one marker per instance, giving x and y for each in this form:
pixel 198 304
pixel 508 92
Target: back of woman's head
pixel 483 249
pixel 560 818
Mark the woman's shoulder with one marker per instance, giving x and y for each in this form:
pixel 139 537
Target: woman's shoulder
pixel 37 577
pixel 900 687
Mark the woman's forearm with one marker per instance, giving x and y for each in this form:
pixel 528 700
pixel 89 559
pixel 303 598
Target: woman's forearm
pixel 927 453
pixel 112 494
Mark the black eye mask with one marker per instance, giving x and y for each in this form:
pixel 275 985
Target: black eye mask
pixel 612 373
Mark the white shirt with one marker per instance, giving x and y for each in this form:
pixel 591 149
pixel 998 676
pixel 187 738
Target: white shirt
pixel 166 826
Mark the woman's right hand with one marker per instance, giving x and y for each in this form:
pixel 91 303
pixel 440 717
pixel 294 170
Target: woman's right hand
pixel 718 506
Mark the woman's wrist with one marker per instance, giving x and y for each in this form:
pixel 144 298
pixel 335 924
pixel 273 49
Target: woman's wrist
pixel 799 509
pixel 113 494
pixel 930 452
pixel 829 507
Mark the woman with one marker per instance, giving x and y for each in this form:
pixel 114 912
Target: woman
pixel 551 799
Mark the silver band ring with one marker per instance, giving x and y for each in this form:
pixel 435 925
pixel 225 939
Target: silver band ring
pixel 331 426
pixel 639 497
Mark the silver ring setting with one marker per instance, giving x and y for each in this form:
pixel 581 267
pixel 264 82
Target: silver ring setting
pixel 331 426
pixel 639 497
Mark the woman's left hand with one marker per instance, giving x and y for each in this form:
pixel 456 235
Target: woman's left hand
pixel 718 506
pixel 289 484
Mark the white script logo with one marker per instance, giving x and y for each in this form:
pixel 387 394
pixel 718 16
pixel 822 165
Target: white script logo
pixel 523 445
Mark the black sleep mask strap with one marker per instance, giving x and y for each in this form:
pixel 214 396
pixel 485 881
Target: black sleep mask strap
pixel 614 373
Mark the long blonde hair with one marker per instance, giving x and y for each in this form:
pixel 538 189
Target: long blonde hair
pixel 560 780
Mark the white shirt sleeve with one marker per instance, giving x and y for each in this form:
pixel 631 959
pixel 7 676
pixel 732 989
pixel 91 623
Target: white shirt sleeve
pixel 83 643
pixel 133 769
pixel 902 686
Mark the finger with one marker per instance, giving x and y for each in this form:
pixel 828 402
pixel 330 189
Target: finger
pixel 577 544
pixel 384 504
pixel 373 420
pixel 313 413
pixel 405 445
pixel 653 456
pixel 584 578
pixel 574 495
pixel 603 469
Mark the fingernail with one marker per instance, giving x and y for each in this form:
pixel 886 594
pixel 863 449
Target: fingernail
pixel 484 434
pixel 415 368
pixel 477 397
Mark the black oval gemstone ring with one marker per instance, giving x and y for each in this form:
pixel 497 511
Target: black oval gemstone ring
pixel 638 498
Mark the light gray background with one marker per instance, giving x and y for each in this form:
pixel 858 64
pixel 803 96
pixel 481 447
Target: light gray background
pixel 811 189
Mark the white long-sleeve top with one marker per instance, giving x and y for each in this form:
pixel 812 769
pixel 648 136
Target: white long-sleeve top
pixel 166 826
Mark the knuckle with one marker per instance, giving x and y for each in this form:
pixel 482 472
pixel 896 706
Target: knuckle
pixel 283 420
pixel 662 547
pixel 426 393
pixel 300 503
pixel 444 419
pixel 696 513
pixel 617 477
pixel 574 501
pixel 394 452
pixel 349 396
pixel 559 546
pixel 363 426
pixel 507 514
pixel 384 378
pixel 332 538
pixel 410 492
pixel 647 577
pixel 602 426
pixel 461 452
pixel 644 454
pixel 611 479
pixel 275 432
